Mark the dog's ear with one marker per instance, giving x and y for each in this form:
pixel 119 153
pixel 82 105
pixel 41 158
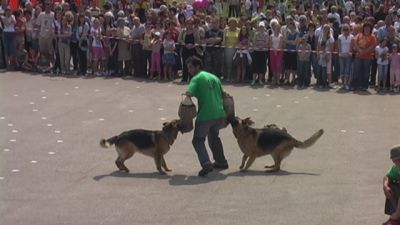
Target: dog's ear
pixel 248 121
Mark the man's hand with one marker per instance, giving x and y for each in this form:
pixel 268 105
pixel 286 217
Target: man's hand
pixel 387 191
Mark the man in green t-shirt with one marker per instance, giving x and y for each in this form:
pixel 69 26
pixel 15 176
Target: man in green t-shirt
pixel 391 188
pixel 207 88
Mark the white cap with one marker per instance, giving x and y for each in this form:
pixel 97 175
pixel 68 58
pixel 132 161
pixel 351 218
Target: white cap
pixel 157 34
pixel 261 24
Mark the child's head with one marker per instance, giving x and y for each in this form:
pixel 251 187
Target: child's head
pixel 395 154
pixel 395 48
pixel 157 35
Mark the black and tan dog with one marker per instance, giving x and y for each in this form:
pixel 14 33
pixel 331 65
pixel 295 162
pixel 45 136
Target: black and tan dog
pixel 153 143
pixel 256 142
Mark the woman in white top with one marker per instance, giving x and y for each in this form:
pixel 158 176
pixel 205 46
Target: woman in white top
pixel 97 49
pixel 381 54
pixel 9 37
pixel 324 49
pixel 275 52
pixel 345 59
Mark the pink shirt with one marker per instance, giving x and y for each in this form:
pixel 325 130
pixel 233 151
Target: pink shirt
pixel 395 61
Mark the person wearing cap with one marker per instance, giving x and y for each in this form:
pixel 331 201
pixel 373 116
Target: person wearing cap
pixel 391 187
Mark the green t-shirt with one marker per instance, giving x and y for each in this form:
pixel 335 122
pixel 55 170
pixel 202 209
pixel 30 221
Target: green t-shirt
pixel 394 173
pixel 207 88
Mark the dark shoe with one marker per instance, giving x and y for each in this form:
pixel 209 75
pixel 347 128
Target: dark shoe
pixel 207 168
pixel 222 166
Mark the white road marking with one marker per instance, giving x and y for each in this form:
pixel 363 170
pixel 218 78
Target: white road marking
pixel 32 103
pixel 160 109
pixel 101 119
pixel 49 125
pixel 343 131
pixel 361 131
pixel 6 150
pixel 44 118
pixel 35 110
pixel 34 161
pixel 255 110
pixel 13 140
pixel 76 87
pixel 60 141
pixel 2 118
pixel 163 118
pixel 66 93
pixel 15 170
pixel 57 131
pixel 14 131
pixel 131 110
pixel 10 125
pixel 51 153
pixel 44 97
pixel 90 111
pixel 1 178
pixel 278 106
pixel 16 95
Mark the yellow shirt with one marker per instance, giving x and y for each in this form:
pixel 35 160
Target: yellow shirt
pixel 231 37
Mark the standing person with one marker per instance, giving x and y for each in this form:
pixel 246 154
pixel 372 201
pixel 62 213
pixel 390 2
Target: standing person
pixel 213 55
pixel 325 49
pixel 290 39
pixel 156 44
pixel 146 43
pixel 45 23
pixel 364 43
pixel 260 43
pixel 9 37
pixel 98 56
pixel 137 32
pixel 64 46
pixel 395 68
pixel 207 88
pixel 124 56
pixel 303 60
pixel 276 53
pixel 188 38
pixel 231 34
pixel 83 43
pixel 168 56
pixel 381 54
pixel 344 47
pixel 242 56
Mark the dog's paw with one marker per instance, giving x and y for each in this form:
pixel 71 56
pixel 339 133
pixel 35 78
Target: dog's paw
pixel 168 170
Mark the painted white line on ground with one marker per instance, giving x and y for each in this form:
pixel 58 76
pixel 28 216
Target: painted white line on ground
pixel 163 118
pixel 1 178
pixel 66 93
pixel 131 110
pixel 16 95
pixel 10 125
pixel 35 110
pixel 267 95
pixel 44 118
pixel 34 161
pixel 15 170
pixel 57 131
pixel 255 98
pixel 137 87
pixel 32 103
pixel 6 150
pixel 97 90
pixel 2 118
pixel 278 106
pixel 49 125
pixel 14 131
pixel 44 97
pixel 13 140
pixel 51 153
pixel 90 111
pixel 60 141
pixel 343 131
pixel 76 87
pixel 361 132
pixel 160 109
pixel 255 110
pixel 43 91
pixel 101 119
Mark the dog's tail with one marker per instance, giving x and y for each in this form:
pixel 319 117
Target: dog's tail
pixel 107 143
pixel 310 141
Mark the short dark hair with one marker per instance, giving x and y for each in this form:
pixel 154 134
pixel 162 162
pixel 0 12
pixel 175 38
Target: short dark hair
pixel 195 61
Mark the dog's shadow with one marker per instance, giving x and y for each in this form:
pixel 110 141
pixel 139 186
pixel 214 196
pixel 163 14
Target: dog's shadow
pixel 264 173
pixel 174 180
pixel 122 174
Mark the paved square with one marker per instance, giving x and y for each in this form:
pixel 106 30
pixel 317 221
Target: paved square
pixel 53 171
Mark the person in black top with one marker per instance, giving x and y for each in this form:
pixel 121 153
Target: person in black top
pixel 213 55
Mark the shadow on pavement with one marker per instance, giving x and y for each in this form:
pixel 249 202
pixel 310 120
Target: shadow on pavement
pixel 263 173
pixel 122 174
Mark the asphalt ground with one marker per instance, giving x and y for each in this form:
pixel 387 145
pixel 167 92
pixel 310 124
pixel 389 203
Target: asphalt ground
pixel 53 171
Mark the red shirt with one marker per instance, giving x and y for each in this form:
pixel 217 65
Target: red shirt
pixel 364 42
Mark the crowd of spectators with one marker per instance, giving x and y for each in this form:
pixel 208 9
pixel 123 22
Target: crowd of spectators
pixel 351 44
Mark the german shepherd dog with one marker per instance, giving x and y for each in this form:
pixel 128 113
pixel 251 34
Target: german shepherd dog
pixel 256 142
pixel 153 143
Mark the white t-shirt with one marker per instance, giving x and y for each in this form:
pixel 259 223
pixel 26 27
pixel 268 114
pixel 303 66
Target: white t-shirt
pixel 349 5
pixel 46 23
pixel 9 23
pixel 345 44
pixel 378 51
pixel 336 16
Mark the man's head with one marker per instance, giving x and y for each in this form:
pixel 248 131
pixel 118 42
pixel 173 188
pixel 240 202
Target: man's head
pixel 395 154
pixel 194 65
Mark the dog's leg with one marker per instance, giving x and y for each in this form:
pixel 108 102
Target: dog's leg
pixel 158 161
pixel 248 163
pixel 277 166
pixel 244 158
pixel 123 154
pixel 164 164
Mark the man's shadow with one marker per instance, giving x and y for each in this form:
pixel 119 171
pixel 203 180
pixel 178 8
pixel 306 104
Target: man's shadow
pixel 174 180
